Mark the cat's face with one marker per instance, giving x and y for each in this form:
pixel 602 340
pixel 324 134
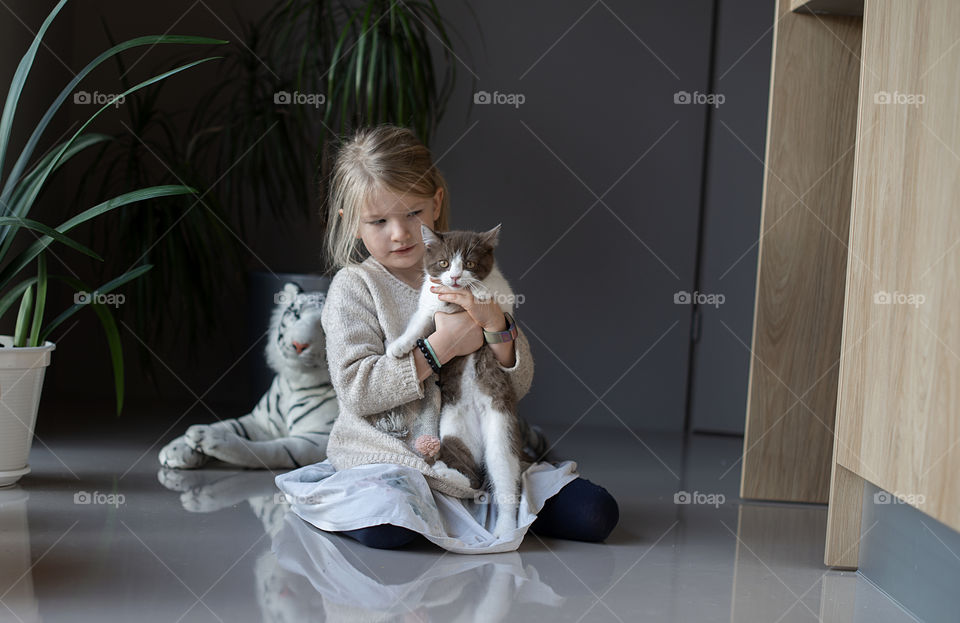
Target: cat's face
pixel 459 258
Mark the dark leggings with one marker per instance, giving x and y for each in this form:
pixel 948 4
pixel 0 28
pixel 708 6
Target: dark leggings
pixel 581 511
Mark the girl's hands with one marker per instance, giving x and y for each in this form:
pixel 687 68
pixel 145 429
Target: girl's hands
pixel 457 334
pixel 486 314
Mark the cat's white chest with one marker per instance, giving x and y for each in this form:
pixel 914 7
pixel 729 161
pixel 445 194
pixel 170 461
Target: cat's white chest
pixel 473 403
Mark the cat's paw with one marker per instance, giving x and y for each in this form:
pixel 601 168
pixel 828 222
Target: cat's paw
pixel 505 525
pixel 179 454
pixel 483 296
pixel 507 509
pixel 400 347
pixel 448 473
pixel 427 445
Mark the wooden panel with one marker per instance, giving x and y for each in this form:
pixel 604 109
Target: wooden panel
pixel 899 404
pixel 843 519
pixel 832 7
pixel 788 444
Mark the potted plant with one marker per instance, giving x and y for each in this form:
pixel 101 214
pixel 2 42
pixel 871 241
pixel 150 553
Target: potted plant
pixel 306 71
pixel 25 355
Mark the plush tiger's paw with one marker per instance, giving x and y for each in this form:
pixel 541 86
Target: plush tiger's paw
pixel 201 437
pixel 195 435
pixel 179 454
pixel 207 440
pixel 400 347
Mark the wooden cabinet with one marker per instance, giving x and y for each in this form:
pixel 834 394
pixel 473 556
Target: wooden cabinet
pixel 894 375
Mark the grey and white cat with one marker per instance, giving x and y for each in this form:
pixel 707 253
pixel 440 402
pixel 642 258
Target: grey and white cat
pixel 480 434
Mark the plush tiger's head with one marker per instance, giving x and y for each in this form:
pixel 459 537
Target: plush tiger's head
pixel 297 340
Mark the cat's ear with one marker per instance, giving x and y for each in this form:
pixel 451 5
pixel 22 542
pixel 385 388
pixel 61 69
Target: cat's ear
pixel 491 237
pixel 430 237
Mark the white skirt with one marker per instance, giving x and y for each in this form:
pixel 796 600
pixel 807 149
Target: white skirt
pixel 369 495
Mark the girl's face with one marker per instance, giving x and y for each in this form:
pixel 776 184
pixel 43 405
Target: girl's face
pixel 390 230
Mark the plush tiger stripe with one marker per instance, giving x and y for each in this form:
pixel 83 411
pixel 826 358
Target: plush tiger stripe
pixel 290 424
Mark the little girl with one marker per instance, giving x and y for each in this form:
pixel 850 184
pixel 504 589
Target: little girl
pixel 374 487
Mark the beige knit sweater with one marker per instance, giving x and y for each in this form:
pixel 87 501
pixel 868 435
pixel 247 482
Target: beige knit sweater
pixel 366 308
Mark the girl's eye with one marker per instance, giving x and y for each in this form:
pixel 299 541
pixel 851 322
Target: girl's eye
pixel 471 265
pixel 415 213
pixel 443 263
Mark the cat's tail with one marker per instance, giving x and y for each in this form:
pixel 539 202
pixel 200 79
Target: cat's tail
pixel 535 444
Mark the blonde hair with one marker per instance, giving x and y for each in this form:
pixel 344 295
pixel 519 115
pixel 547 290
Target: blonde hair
pixel 375 158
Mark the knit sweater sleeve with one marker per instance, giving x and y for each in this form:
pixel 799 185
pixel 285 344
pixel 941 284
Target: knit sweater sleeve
pixel 521 374
pixel 367 381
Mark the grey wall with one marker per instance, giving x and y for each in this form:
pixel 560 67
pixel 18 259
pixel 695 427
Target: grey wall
pixel 599 278
pixel 599 120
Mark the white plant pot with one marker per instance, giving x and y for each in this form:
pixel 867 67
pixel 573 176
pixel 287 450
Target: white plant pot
pixel 21 379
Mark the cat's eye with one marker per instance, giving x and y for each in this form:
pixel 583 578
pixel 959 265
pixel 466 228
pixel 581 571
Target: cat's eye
pixel 471 265
pixel 443 263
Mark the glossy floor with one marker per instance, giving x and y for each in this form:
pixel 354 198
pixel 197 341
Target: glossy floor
pixel 97 533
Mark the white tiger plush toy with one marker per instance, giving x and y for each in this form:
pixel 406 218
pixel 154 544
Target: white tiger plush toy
pixel 290 426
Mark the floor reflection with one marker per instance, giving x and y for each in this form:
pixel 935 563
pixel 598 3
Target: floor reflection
pixel 779 567
pixel 312 575
pixel 16 580
pixel 355 581
pixel 281 596
pixel 209 490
